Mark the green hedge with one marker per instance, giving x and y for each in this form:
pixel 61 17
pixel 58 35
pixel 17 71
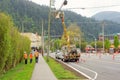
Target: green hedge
pixel 12 44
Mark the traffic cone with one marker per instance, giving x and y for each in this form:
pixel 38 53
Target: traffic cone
pixel 84 60
pixel 113 56
pixel 99 55
pixel 77 61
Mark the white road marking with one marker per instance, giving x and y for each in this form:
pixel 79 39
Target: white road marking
pixel 96 74
pixel 79 71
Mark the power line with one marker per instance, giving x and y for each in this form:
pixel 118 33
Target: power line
pixel 93 7
pixel 87 22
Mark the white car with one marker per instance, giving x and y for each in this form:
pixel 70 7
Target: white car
pixel 58 55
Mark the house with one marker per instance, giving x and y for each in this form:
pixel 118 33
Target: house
pixel 34 38
pixel 109 36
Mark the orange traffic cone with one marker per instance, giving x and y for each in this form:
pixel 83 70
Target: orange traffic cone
pixel 113 57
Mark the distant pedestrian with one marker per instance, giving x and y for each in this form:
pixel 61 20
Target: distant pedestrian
pixel 31 56
pixel 36 56
pixel 25 57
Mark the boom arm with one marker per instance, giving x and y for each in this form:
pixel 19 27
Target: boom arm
pixel 65 34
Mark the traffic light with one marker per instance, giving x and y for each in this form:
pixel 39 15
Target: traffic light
pixel 65 2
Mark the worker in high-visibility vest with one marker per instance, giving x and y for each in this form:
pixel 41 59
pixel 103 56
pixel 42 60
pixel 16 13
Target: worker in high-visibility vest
pixel 25 57
pixel 31 56
pixel 36 56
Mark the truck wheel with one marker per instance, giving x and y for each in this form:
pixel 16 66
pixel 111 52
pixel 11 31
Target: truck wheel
pixel 63 60
pixel 75 60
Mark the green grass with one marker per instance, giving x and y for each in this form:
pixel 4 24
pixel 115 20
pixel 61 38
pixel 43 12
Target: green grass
pixel 20 72
pixel 60 72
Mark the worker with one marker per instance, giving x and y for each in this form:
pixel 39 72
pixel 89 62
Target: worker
pixel 36 56
pixel 25 57
pixel 31 56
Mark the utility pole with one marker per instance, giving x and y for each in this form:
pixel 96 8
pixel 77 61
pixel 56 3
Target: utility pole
pixel 49 21
pixel 80 43
pixel 95 46
pixel 103 25
pixel 42 39
pixel 22 28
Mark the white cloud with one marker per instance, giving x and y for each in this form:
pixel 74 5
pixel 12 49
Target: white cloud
pixel 85 3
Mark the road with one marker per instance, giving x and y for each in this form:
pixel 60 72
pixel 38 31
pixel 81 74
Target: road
pixel 99 67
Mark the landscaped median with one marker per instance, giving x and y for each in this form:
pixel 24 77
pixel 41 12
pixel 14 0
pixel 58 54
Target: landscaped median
pixel 20 72
pixel 61 72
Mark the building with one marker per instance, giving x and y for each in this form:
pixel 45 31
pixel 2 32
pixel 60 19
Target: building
pixel 109 36
pixel 35 39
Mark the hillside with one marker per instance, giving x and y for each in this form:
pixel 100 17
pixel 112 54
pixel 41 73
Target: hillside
pixel 30 15
pixel 108 15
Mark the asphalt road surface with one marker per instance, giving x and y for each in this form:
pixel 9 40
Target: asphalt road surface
pixel 99 67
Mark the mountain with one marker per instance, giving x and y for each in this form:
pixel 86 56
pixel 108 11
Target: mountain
pixel 108 15
pixel 28 17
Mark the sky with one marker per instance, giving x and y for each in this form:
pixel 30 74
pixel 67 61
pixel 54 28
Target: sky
pixel 91 7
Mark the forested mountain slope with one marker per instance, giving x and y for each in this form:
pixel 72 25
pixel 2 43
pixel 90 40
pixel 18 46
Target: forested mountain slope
pixel 30 15
pixel 108 15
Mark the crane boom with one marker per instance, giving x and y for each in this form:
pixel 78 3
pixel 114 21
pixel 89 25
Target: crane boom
pixel 65 34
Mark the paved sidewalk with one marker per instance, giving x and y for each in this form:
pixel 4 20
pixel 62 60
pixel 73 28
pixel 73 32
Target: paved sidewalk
pixel 42 71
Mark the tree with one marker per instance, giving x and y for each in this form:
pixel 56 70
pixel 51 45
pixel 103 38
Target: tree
pixel 99 44
pixel 12 44
pixel 74 33
pixel 5 39
pixel 116 41
pixel 107 44
pixel 57 44
pixel 83 45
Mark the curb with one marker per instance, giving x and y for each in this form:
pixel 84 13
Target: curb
pixel 72 69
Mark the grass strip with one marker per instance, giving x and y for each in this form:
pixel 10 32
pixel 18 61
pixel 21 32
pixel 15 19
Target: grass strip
pixel 20 72
pixel 60 72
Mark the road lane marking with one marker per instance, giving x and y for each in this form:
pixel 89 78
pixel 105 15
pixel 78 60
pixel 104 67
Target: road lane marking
pixel 96 74
pixel 79 71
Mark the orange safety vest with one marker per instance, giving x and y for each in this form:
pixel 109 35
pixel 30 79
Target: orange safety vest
pixel 36 54
pixel 25 56
pixel 31 56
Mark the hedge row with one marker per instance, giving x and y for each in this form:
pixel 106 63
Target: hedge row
pixel 12 44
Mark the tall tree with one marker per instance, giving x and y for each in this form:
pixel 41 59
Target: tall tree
pixel 12 44
pixel 116 41
pixel 5 24
pixel 107 44
pixel 74 33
